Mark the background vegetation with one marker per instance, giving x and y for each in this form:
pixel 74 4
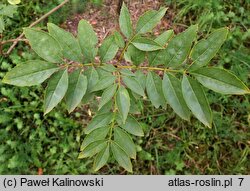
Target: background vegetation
pixel 30 142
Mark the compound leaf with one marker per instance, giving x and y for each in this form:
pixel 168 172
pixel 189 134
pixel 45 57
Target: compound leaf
pixel 93 148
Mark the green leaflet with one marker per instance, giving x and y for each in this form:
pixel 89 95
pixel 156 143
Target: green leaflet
pixel 93 148
pixel 101 158
pixel 88 40
pixel 125 142
pixel 56 89
pixel 206 49
pixel 104 83
pixel 126 72
pixel 163 38
pixel 146 44
pixel 134 55
pixel 69 44
pixel 149 20
pixel 108 49
pixel 108 67
pixel 220 80
pixel 154 89
pixel 171 87
pixel 107 95
pixel 44 45
pixel 179 47
pixel 196 100
pixel 119 39
pixel 121 157
pixel 92 77
pixel 98 121
pixel 31 73
pixel 133 84
pixel 77 89
pixel 125 22
pixel 95 135
pixel 133 126
pixel 157 57
pixel 123 102
pixel 141 78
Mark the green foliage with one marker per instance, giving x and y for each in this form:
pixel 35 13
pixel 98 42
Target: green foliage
pixel 120 86
pixel 6 11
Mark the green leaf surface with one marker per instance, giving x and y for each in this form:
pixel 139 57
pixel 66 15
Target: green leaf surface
pixel 125 22
pixel 93 148
pixel 134 55
pixel 196 100
pixel 149 20
pixel 163 38
pixel 108 49
pixel 69 44
pixel 154 90
pixel 171 87
pixel 76 90
pixel 126 72
pixel 101 158
pixel 179 47
pixel 133 84
pixel 92 77
pixel 107 95
pixel 44 45
pixel 206 49
pixel 30 73
pixel 141 78
pixel 132 126
pixel 88 40
pixel 119 39
pixel 157 57
pixel 56 89
pixel 121 157
pixel 95 135
pixel 125 142
pixel 220 80
pixel 104 83
pixel 108 67
pixel 2 25
pixel 98 121
pixel 123 102
pixel 146 44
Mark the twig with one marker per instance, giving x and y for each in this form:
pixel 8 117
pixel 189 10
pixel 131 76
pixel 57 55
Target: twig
pixel 33 24
pixel 12 40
